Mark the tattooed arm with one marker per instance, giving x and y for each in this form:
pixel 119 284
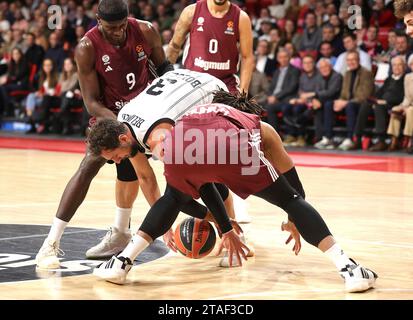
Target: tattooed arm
pixel 181 30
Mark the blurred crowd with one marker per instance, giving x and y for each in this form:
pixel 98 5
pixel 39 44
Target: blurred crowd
pixel 324 76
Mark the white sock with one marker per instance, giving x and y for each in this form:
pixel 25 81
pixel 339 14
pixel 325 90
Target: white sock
pixel 122 219
pixel 57 229
pixel 337 255
pixel 135 247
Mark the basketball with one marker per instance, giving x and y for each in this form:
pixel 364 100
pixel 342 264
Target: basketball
pixel 195 238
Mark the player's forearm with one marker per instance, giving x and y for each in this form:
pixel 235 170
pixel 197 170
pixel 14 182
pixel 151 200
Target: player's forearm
pixel 98 110
pixel 150 189
pixel 173 52
pixel 247 68
pixel 213 201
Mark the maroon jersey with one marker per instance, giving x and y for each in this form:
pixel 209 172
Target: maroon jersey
pixel 220 144
pixel 123 72
pixel 213 44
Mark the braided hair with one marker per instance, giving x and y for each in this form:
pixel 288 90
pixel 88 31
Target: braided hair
pixel 239 101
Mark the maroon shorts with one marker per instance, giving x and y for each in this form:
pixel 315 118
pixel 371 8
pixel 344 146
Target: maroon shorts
pixel 226 150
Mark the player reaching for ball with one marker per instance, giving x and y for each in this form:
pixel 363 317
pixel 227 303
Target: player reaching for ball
pixel 190 149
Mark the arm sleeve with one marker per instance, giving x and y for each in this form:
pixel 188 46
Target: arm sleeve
pixel 213 201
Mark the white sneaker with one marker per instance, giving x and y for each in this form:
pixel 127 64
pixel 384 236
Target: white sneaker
pixel 47 258
pixel 240 210
pixel 346 145
pixel 224 263
pixel 112 243
pixel 115 270
pixel 324 143
pixel 358 278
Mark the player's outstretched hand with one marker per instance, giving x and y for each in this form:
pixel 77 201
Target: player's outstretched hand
pixel 169 240
pixel 234 224
pixel 232 242
pixel 294 234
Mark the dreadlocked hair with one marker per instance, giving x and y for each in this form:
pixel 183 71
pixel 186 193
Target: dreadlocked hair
pixel 239 101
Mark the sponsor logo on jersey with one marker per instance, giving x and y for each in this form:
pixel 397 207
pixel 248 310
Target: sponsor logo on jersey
pixel 105 59
pixel 207 65
pixel 200 23
pixel 141 52
pixel 106 62
pixel 120 104
pixel 230 28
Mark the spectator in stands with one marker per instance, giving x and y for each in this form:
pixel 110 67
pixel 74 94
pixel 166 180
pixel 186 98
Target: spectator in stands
pixel 38 103
pixel 382 16
pixel 309 5
pixel 70 94
pixel 371 44
pixel 17 39
pixel 284 86
pixel 326 52
pixel 71 11
pixel 276 41
pixel 265 29
pixel 311 38
pixel 350 43
pixel 327 90
pixel 17 79
pixel 295 59
pixel 277 8
pixel 34 53
pixel 79 32
pixel 321 13
pixel 404 111
pixel 165 21
pixel 291 34
pixel 402 46
pixel 337 24
pixel 391 51
pixel 358 86
pixel 4 23
pixel 20 22
pixel 386 98
pixel 148 13
pixel 41 39
pixel 265 16
pixel 292 112
pixel 328 35
pixel 293 10
pixel 264 63
pixel 259 86
pixel 330 9
pixel 166 38
pixel 81 19
pixel 55 51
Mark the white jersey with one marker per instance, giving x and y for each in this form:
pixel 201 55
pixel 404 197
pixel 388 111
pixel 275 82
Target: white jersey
pixel 168 98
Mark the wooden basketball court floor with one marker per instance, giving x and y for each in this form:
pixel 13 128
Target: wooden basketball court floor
pixel 369 212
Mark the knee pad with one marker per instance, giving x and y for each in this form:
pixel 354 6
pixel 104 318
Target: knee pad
pixel 125 171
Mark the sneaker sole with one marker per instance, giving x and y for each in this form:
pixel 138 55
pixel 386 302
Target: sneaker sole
pixel 360 285
pixel 47 266
pixel 117 278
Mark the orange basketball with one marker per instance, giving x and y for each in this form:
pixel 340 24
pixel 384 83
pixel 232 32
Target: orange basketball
pixel 195 238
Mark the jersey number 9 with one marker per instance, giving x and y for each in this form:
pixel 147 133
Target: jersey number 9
pixel 131 80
